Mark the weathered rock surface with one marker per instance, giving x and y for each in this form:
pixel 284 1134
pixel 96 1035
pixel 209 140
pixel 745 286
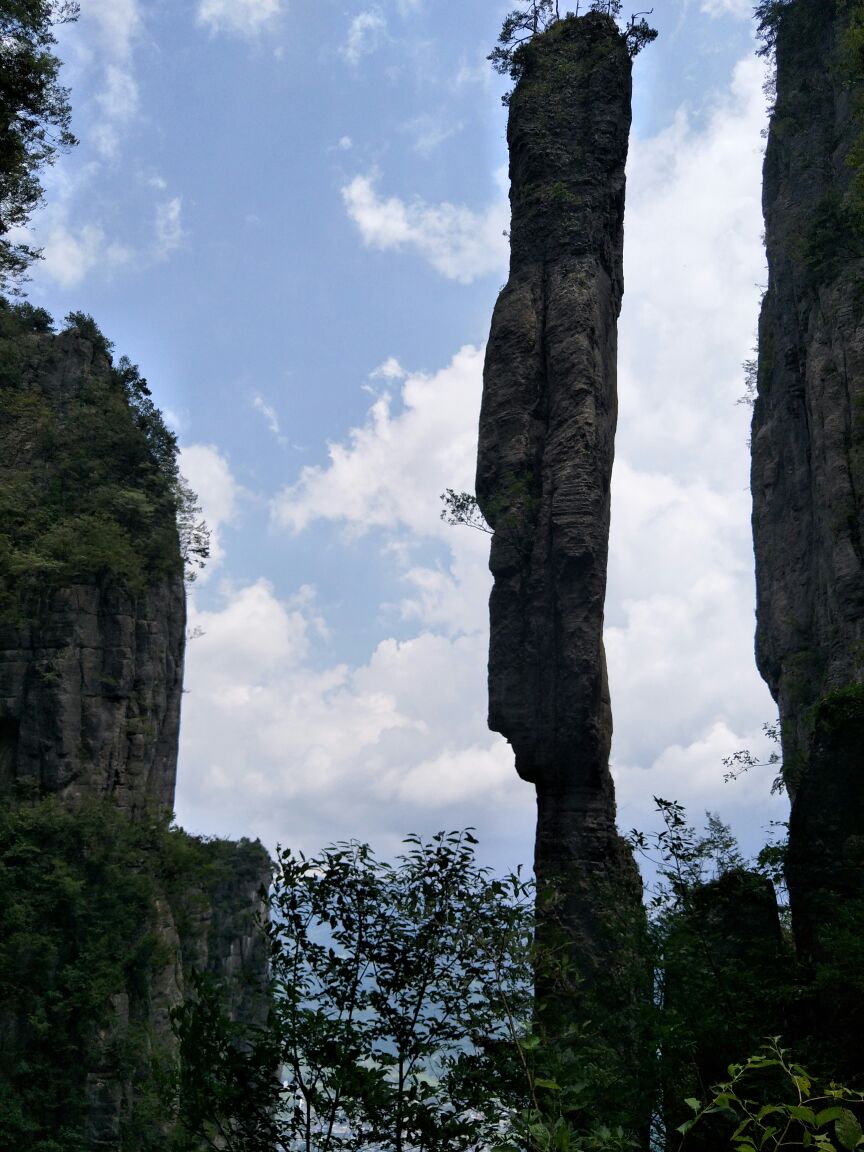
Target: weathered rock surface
pixel 547 428
pixel 90 690
pixel 808 461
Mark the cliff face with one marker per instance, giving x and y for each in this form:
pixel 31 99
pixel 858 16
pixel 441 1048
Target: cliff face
pixel 547 429
pixel 90 670
pixel 92 639
pixel 90 688
pixel 808 460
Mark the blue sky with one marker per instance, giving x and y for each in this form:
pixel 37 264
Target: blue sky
pixel 292 218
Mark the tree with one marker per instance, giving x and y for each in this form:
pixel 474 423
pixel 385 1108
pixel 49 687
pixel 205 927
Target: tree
pixel 402 1018
pixel 537 16
pixel 34 117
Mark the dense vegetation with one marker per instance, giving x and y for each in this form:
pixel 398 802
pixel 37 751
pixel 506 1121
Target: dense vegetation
pixel 83 898
pixel 34 117
pixel 403 1015
pixel 89 484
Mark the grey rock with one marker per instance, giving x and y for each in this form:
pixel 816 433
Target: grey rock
pixel 547 428
pixel 90 691
pixel 808 487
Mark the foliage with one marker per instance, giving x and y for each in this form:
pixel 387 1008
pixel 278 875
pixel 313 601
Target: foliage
pixel 89 484
pixel 82 903
pixel 743 760
pixel 521 25
pixel 769 16
pixel 510 516
pixel 799 1114
pixel 725 974
pixel 402 1018
pixel 462 508
pixel 34 117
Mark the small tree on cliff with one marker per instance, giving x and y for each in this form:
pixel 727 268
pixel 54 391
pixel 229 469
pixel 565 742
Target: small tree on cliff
pixel 536 16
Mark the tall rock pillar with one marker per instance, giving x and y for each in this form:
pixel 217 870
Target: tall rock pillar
pixel 547 428
pixel 808 494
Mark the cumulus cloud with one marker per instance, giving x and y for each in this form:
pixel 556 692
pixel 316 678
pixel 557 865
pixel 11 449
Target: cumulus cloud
pixel 70 254
pixel 219 494
pixel 458 242
pixel 693 265
pixel 308 751
pixel 366 33
pixel 392 468
pixel 238 17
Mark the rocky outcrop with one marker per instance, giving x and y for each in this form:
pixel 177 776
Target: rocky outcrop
pixel 92 639
pixel 90 689
pixel 547 428
pixel 808 461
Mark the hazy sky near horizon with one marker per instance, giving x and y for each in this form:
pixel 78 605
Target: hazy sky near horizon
pixel 293 218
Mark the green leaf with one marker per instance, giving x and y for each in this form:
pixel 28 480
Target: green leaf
pixel 543 1082
pixel 804 1114
pixel 693 1103
pixel 827 1115
pixel 848 1129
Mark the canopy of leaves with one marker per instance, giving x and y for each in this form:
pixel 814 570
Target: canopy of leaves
pixel 396 990
pixel 80 893
pixel 34 116
pixel 89 484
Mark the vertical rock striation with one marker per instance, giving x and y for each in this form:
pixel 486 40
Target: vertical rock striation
pixel 547 428
pixel 808 469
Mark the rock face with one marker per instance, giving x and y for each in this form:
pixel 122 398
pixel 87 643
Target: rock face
pixel 808 461
pixel 90 688
pixel 547 428
pixel 92 639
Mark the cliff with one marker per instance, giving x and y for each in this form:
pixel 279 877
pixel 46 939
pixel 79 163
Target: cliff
pixel 547 428
pixel 808 487
pixel 107 911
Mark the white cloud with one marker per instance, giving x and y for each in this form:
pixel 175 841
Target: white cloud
pixel 390 369
pixel 366 33
pixel 391 470
pixel 429 133
pixel 169 227
pixel 113 26
pixel 459 243
pixel 70 254
pixel 238 17
pixel 116 23
pixel 210 476
pixel 742 9
pixel 309 751
pixel 270 417
pixel 693 265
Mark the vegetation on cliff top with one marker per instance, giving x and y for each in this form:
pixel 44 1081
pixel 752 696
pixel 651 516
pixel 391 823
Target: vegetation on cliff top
pixel 89 481
pixel 521 25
